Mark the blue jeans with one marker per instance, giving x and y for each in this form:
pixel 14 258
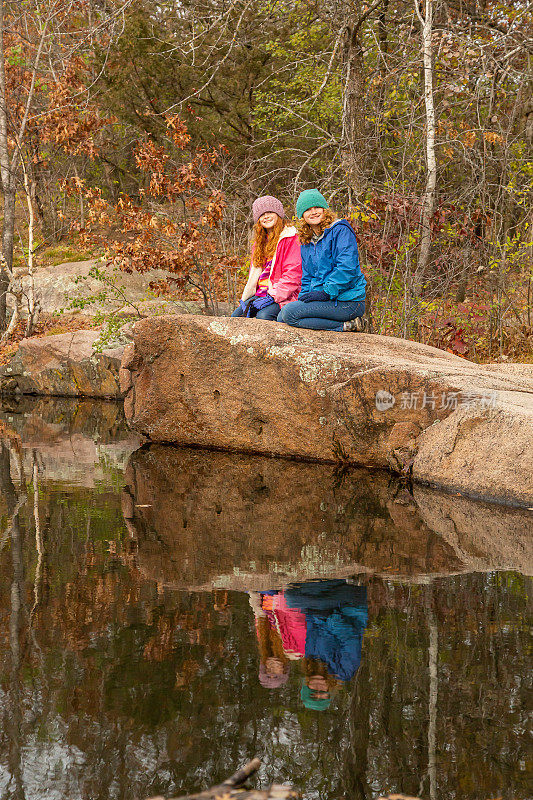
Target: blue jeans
pixel 268 312
pixel 321 315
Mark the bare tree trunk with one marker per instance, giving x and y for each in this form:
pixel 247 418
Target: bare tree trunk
pixel 433 652
pixel 356 763
pixel 33 308
pixel 80 196
pixel 13 705
pixel 8 164
pixel 38 537
pixel 428 206
pixel 14 287
pixel 8 187
pixel 353 116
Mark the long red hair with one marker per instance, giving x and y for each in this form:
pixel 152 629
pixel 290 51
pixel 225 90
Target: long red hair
pixel 269 642
pixel 265 242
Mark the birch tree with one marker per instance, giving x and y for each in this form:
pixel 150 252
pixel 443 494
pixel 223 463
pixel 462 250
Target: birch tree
pixel 428 205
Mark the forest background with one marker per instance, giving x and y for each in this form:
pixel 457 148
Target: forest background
pixel 141 131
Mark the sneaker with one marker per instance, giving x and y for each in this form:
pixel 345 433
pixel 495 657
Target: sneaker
pixel 357 325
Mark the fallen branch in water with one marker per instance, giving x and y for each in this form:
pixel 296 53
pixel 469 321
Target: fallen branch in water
pixel 231 789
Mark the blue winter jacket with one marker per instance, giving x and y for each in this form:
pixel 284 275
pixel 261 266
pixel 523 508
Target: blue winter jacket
pixel 332 264
pixel 336 616
pixel 337 640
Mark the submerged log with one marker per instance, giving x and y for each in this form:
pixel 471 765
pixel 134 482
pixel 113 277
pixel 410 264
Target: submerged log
pixel 232 788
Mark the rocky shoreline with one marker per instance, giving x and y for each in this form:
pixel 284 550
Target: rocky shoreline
pixel 253 387
pixel 274 520
pixel 64 365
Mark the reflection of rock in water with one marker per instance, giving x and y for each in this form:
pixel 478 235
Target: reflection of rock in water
pixel 484 536
pixel 72 437
pixel 243 521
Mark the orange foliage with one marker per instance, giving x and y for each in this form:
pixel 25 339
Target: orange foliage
pixel 69 123
pixel 170 226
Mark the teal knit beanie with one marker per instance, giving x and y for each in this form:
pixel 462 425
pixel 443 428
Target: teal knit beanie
pixel 310 198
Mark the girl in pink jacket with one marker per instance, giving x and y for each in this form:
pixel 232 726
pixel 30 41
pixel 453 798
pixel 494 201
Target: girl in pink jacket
pixel 276 266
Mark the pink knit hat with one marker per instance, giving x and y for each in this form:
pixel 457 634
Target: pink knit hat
pixel 267 203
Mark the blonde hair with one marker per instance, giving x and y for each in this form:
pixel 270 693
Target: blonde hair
pixel 265 242
pixel 305 231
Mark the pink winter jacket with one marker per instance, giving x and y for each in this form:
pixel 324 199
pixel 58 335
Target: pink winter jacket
pixel 286 271
pixel 292 627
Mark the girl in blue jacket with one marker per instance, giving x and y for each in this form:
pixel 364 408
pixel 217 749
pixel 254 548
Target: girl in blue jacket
pixel 332 297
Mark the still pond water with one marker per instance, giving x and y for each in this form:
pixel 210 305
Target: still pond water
pixel 166 615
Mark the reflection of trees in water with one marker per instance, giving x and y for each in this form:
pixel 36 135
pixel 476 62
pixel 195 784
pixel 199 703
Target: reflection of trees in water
pixel 12 709
pixel 479 711
pixel 140 691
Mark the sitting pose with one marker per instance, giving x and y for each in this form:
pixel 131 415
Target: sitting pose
pixel 276 264
pixel 332 297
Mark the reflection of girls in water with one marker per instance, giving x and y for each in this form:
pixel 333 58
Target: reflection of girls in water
pixel 273 662
pixel 321 622
pixel 336 614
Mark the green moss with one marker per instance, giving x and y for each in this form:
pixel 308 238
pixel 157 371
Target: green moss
pixel 63 254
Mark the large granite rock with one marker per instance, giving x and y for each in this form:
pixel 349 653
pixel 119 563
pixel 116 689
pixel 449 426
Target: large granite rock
pixel 264 387
pixel 72 286
pixel 64 365
pixel 203 519
pixel 486 452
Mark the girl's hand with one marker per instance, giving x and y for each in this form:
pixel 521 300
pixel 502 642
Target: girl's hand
pixel 263 302
pixel 313 297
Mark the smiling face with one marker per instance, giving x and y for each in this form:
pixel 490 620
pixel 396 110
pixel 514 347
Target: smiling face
pixel 268 220
pixel 317 683
pixel 274 666
pixel 314 216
